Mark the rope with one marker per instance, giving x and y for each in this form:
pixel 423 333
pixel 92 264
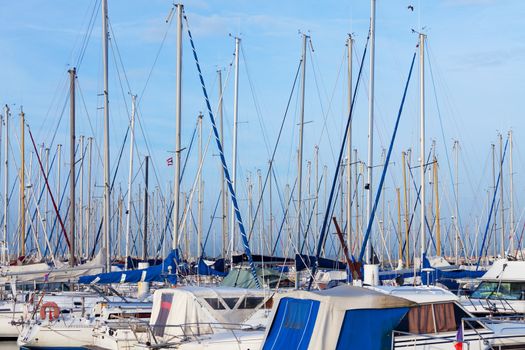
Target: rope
pixel 336 174
pixel 223 161
pixel 492 207
pixel 380 187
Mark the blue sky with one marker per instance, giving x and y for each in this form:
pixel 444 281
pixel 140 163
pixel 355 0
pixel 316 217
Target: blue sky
pixel 476 52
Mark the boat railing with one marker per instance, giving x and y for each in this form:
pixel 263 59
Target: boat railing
pixel 471 325
pixel 418 339
pixel 169 335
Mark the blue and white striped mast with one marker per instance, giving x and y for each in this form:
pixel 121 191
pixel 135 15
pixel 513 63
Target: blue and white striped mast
pixel 235 204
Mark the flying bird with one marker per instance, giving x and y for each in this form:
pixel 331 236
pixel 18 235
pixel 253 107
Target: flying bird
pixel 411 8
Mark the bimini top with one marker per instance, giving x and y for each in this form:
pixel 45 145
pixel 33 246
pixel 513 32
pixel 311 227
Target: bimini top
pixel 504 270
pixel 344 317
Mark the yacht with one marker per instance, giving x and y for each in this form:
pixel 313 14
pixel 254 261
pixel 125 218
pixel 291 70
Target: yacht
pixel 501 290
pixel 70 331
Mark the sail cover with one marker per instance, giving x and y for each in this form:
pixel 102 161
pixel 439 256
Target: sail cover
pixel 158 273
pixel 307 261
pixel 212 269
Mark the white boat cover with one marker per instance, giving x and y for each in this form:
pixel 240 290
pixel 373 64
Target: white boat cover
pixel 419 294
pixel 42 272
pixel 504 270
pixel 177 311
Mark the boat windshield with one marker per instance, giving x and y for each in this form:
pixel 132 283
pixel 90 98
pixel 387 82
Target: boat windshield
pixel 500 290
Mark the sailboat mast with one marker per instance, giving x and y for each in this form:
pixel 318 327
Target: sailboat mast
pixel 201 194
pixel 494 221
pixel 130 178
pixel 399 235
pixel 223 181
pixel 370 164
pixel 422 156
pixel 456 216
pixel 349 44
pixel 22 185
pixel 146 201
pixel 107 190
pixel 501 206
pixel 438 219
pixel 270 209
pixel 6 180
pixel 234 144
pixel 300 156
pixel 178 107
pixel 72 177
pixel 81 201
pixel 407 226
pixel 511 197
pixel 88 209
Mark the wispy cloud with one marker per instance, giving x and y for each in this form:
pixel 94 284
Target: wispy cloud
pixel 491 58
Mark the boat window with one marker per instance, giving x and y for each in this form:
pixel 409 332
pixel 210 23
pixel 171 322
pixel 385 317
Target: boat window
pixel 231 302
pixel 130 315
pixel 215 303
pixel 269 303
pixel 251 302
pixel 500 290
pixel 430 318
pixel 77 303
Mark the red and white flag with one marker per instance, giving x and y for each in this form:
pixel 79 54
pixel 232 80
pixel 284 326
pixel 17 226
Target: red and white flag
pixel 458 345
pixel 169 161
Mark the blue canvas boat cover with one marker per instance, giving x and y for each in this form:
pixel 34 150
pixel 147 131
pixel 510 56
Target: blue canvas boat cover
pixel 442 275
pixel 215 269
pixel 167 271
pixel 292 325
pixel 306 261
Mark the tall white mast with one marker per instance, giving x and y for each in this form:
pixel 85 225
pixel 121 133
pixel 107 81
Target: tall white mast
pixel 6 180
pixel 178 107
pixel 234 144
pixel 130 177
pixel 223 181
pixel 370 164
pixel 107 189
pixel 88 209
pixel 349 44
pixel 22 185
pixel 201 194
pixel 46 213
pixel 300 155
pixel 456 217
pixel 501 210
pixel 81 201
pixel 422 156
pixel 72 173
pixel 511 197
